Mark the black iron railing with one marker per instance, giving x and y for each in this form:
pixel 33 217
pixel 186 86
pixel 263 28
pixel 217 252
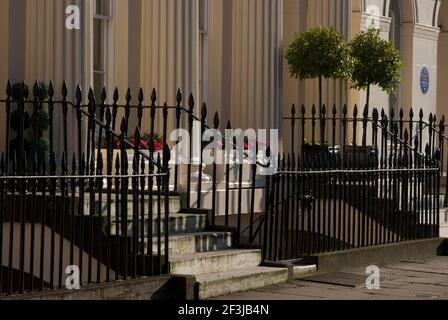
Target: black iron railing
pixel 52 219
pixel 100 170
pixel 104 211
pixel 336 209
pixel 378 189
pixel 348 182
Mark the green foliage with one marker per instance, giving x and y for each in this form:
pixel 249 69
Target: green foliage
pixel 43 121
pixel 375 62
pixel 42 91
pixel 42 144
pixel 319 53
pixel 14 147
pixel 15 120
pixel 18 92
pixel 43 148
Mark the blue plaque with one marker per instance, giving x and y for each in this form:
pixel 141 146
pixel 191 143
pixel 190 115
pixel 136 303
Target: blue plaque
pixel 424 80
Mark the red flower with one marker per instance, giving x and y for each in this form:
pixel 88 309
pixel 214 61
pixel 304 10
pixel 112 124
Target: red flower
pixel 144 144
pixel 158 146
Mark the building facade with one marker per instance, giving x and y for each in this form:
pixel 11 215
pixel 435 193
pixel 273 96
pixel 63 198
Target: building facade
pixel 228 53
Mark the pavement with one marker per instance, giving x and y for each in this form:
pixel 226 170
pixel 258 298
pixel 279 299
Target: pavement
pixel 406 280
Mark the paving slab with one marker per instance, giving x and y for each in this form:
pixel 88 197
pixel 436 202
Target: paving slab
pixel 337 278
pixel 404 280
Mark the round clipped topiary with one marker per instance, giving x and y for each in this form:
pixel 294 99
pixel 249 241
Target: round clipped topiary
pixel 14 147
pixel 18 91
pixel 375 62
pixel 320 53
pixel 15 120
pixel 43 121
pixel 43 149
pixel 42 91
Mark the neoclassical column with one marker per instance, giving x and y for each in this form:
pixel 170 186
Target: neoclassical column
pixel 256 64
pixel 169 50
pixel 442 72
pixel 52 52
pixel 294 90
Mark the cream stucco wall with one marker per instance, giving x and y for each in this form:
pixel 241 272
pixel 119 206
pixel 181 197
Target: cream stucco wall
pixel 442 61
pixel 256 64
pixel 442 78
pixel 242 62
pixel 425 55
pixel 244 75
pixel 169 52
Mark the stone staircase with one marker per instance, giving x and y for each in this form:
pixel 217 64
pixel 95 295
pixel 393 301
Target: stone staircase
pixel 219 268
pixel 195 248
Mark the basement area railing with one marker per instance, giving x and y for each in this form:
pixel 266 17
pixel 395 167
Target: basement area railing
pixel 330 195
pixel 323 210
pixel 91 206
pixel 79 186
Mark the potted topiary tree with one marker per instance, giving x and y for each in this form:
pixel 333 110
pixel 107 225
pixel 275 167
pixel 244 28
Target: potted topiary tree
pixel 19 92
pixel 375 62
pixel 319 53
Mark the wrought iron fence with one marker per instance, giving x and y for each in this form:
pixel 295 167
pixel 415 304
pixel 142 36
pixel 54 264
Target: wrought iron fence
pixel 329 197
pixel 100 211
pixel 313 211
pixel 348 182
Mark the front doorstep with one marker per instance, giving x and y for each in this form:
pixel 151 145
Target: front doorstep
pixel 380 255
pixel 154 288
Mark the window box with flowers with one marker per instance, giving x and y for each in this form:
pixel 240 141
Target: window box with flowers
pixel 158 142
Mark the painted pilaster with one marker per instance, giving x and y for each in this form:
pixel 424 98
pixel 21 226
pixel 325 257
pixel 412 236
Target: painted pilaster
pixel 169 50
pixel 52 52
pixel 425 55
pixel 442 75
pixel 17 39
pixel 256 64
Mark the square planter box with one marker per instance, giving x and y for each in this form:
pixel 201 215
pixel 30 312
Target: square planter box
pixel 130 157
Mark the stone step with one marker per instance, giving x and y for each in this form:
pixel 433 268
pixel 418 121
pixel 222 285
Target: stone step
pixel 197 242
pixel 174 204
pixel 225 283
pixel 301 270
pixel 179 223
pixel 212 262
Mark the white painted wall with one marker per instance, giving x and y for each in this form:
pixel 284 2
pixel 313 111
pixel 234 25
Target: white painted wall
pixel 425 54
pixel 246 76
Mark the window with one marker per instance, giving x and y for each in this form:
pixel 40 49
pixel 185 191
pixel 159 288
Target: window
pixel 101 25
